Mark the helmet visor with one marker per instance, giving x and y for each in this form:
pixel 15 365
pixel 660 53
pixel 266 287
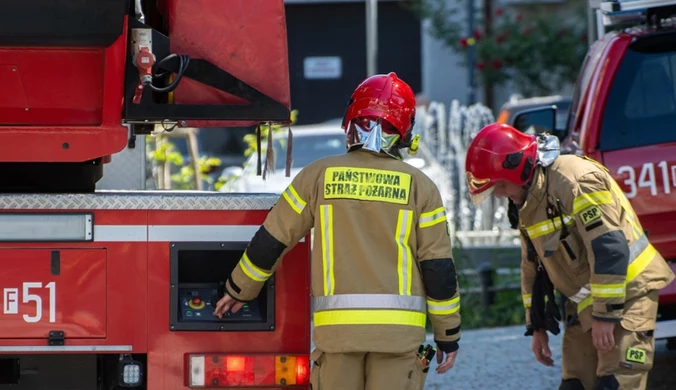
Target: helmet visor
pixel 480 189
pixel 481 196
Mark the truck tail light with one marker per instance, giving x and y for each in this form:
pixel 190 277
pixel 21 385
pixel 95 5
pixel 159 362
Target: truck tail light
pixel 218 370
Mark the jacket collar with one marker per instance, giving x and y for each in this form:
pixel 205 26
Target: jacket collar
pixel 536 190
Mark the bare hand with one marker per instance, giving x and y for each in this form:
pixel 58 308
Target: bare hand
pixel 224 305
pixel 602 335
pixel 448 364
pixel 541 348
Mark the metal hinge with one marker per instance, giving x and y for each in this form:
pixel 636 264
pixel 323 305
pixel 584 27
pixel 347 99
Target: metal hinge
pixel 56 337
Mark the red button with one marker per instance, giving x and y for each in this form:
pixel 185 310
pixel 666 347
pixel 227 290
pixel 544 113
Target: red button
pixel 196 300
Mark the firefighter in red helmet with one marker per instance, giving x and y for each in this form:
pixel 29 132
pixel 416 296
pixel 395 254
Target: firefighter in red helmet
pixel 381 259
pixel 579 235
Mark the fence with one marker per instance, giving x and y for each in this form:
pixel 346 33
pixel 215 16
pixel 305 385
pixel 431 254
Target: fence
pixel 487 248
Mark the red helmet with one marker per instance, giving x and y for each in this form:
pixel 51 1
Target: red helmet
pixel 499 152
pixel 383 96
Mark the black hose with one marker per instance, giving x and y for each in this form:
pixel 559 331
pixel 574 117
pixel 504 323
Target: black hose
pixel 183 60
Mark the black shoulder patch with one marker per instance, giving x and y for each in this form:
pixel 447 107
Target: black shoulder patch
pixel 264 249
pixel 611 253
pixel 439 278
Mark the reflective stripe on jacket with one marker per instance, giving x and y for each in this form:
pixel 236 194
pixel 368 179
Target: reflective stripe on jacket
pixel 381 261
pixel 590 242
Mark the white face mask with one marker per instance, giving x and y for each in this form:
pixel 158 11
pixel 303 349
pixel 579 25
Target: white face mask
pixel 548 149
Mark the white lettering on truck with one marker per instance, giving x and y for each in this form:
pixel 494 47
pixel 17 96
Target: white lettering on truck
pixel 646 178
pixel 11 301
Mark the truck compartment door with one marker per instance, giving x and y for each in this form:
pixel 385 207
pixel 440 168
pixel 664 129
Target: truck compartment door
pixel 246 38
pixel 45 290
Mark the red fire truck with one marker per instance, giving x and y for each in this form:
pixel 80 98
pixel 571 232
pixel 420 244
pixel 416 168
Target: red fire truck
pixel 622 114
pixel 112 289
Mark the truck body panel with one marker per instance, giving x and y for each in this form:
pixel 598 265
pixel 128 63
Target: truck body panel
pixel 36 275
pixel 246 37
pixel 123 287
pixel 124 283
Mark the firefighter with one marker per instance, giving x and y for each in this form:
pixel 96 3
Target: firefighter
pixel 579 235
pixel 381 256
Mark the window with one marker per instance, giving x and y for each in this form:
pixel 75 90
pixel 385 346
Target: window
pixel 586 70
pixel 305 149
pixel 641 105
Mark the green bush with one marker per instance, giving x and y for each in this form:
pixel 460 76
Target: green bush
pixel 507 308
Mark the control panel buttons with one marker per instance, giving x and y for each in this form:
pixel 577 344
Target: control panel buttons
pixel 196 303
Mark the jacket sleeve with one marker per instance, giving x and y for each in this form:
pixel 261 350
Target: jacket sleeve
pixel 598 214
pixel 528 271
pixel 290 219
pixel 438 271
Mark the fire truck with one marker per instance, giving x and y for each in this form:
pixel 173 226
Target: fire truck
pixel 116 289
pixel 622 114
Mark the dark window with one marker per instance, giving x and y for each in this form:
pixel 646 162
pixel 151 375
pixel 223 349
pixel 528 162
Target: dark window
pixel 641 105
pixel 561 117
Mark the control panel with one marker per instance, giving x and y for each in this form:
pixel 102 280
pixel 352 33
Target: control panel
pixel 198 271
pixel 198 304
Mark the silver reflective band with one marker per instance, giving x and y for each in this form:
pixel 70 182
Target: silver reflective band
pixel 637 247
pixel 431 218
pixel 290 196
pixel 581 294
pixel 326 217
pixel 405 217
pixel 635 250
pixel 370 301
pixel 434 309
pixel 258 276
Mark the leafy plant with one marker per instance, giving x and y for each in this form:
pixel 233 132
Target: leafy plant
pixel 540 51
pixel 507 308
pixel 277 129
pixel 171 171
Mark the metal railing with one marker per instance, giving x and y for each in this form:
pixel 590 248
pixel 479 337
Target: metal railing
pixel 445 137
pixel 487 247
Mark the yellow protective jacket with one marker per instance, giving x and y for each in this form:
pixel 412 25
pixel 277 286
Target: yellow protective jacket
pixel 381 254
pixel 590 242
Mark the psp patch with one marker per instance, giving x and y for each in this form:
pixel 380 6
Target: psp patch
pixel 636 355
pixel 591 217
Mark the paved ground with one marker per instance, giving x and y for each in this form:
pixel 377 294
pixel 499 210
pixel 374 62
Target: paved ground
pixel 499 359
